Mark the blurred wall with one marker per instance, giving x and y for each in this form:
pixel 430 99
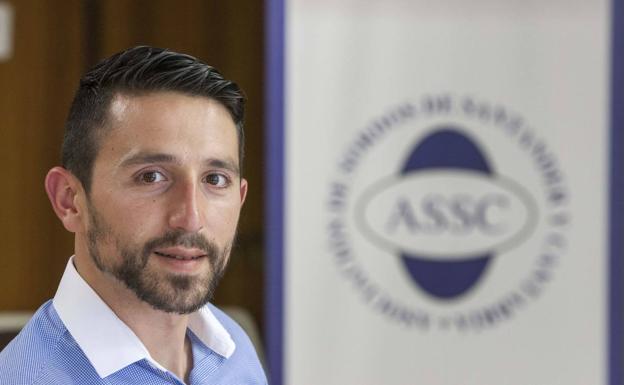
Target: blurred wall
pixel 54 43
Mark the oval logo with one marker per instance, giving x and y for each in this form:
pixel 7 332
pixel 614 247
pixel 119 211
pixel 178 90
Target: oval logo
pixel 446 214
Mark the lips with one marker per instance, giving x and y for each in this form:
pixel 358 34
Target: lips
pixel 181 254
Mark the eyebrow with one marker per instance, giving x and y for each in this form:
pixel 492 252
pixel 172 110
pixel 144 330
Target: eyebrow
pixel 151 158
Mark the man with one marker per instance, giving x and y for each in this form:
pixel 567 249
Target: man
pixel 151 187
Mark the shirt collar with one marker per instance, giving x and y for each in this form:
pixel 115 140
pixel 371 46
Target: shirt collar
pixel 108 343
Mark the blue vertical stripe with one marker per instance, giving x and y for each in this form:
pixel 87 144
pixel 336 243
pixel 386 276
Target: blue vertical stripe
pixel 617 196
pixel 274 204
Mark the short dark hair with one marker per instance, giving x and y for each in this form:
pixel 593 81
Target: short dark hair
pixel 137 71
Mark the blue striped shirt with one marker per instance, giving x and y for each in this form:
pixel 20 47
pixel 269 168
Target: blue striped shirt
pixel 46 352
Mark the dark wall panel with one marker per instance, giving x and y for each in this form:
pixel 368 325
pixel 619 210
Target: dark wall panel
pixel 36 86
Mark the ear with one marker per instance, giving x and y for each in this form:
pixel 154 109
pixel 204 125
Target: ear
pixel 243 190
pixel 63 188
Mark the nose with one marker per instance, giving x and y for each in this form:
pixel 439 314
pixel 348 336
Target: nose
pixel 185 211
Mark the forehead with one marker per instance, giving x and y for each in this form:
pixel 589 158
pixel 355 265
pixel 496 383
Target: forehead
pixel 187 127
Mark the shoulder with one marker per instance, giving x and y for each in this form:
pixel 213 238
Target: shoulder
pixel 245 355
pixel 25 356
pixel 38 354
pixel 237 333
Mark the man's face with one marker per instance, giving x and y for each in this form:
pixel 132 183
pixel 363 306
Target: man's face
pixel 165 198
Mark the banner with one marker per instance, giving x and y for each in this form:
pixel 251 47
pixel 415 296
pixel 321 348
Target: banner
pixel 443 193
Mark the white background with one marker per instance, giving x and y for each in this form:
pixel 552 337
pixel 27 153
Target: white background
pixel 348 62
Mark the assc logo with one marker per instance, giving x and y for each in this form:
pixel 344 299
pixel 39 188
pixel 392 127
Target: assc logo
pixel 448 213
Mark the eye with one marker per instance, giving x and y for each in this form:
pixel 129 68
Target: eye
pixel 150 177
pixel 217 180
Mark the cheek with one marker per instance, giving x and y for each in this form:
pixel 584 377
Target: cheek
pixel 136 222
pixel 224 219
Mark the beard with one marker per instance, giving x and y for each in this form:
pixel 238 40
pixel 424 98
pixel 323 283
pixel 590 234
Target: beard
pixel 172 293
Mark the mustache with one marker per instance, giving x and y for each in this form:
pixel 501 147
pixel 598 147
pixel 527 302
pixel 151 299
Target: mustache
pixel 184 239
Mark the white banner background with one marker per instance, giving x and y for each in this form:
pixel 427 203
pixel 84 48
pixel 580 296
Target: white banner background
pixel 350 62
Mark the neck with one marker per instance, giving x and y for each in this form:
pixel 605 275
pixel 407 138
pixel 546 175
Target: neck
pixel 163 334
